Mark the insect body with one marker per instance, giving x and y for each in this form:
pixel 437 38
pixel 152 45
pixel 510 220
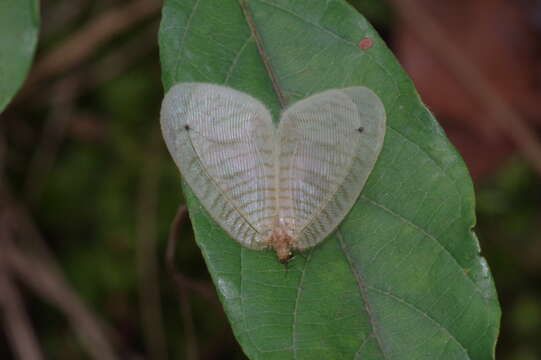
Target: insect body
pixel 284 187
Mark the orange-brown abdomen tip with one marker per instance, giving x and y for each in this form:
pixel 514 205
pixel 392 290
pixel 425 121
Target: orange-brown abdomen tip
pixel 281 242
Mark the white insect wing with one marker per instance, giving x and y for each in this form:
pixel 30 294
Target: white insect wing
pixel 222 142
pixel 286 188
pixel 329 145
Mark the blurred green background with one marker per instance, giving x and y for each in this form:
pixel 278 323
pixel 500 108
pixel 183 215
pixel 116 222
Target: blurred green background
pixel 85 159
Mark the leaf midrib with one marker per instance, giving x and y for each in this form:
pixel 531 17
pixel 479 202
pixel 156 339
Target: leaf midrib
pixel 262 53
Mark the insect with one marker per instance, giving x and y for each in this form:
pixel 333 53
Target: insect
pixel 286 187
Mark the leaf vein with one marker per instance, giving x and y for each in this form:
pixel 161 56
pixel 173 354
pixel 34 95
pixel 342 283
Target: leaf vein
pixel 236 59
pixel 299 291
pixel 185 34
pixel 363 292
pixel 425 232
pixel 417 309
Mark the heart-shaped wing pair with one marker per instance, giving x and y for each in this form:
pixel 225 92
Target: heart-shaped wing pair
pixel 251 177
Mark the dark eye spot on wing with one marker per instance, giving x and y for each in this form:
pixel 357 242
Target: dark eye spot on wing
pixel 361 129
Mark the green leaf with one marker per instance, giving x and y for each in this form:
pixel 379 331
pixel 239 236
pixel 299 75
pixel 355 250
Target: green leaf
pixel 401 278
pixel 19 22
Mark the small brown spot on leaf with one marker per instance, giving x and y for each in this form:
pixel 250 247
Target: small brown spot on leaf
pixel 366 43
